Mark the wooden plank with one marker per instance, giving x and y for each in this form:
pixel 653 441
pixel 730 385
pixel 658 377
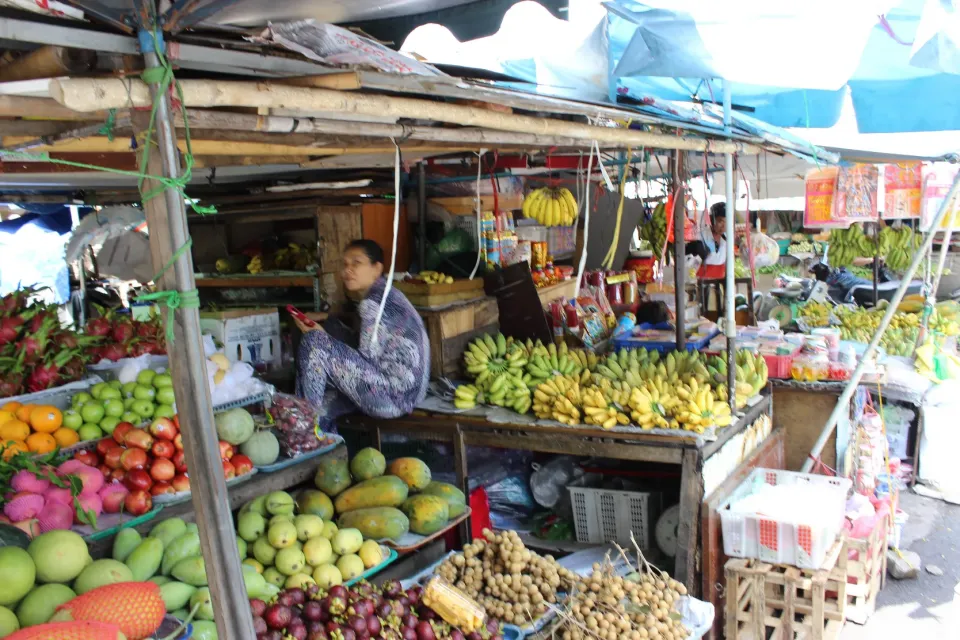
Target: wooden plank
pixel 563 289
pixel 346 81
pixel 337 227
pixel 259 281
pixel 467 205
pixel 574 446
pixel 378 226
pixel 691 494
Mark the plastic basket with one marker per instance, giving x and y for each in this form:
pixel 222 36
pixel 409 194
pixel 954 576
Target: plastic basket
pixel 783 542
pixel 779 366
pixel 610 515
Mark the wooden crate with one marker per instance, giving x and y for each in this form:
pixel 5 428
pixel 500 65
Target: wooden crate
pixel 421 294
pixel 866 571
pixel 781 602
pixel 450 330
pixel 563 289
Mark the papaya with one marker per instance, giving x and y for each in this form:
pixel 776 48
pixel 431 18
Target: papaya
pixel 456 500
pixel 427 514
pixel 385 491
pixel 333 476
pixel 415 473
pixel 367 464
pixel 376 523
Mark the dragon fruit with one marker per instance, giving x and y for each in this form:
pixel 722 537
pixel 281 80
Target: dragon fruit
pixel 99 327
pixel 28 481
pixel 55 515
pixel 23 506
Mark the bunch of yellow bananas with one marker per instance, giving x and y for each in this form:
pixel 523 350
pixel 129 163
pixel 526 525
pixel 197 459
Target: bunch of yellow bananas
pixel 605 408
pixel 486 358
pixel 435 277
pixel 558 398
pixel 256 264
pixel 551 207
pixel 700 411
pixel 545 362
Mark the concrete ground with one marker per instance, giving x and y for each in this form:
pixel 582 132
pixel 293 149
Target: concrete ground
pixel 928 607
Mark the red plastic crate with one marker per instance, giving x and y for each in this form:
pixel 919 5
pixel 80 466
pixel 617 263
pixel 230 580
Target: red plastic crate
pixel 779 366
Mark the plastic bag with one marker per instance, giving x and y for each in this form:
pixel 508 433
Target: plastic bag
pixel 766 251
pixel 295 420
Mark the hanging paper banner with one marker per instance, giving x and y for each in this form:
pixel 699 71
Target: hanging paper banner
pixel 856 199
pixel 902 184
pixel 937 179
pixel 820 187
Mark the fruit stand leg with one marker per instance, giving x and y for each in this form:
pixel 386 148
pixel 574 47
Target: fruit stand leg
pixel 691 495
pixel 167 221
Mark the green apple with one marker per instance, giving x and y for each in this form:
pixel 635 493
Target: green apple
pixel 164 411
pixel 92 412
pixel 162 380
pixel 97 389
pixel 72 419
pixel 144 408
pixel 131 417
pixel 165 395
pixel 80 398
pixel 143 392
pixel 113 408
pixel 116 384
pixel 128 402
pixel 145 377
pixel 108 424
pixel 110 393
pixel 90 432
pixel 128 388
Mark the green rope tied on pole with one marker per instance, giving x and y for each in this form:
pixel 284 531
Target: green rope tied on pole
pixel 107 128
pixel 172 299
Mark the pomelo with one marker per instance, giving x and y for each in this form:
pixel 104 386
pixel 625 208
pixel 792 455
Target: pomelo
pixel 262 448
pixel 59 555
pixel 100 573
pixel 234 426
pixel 19 574
pixel 41 603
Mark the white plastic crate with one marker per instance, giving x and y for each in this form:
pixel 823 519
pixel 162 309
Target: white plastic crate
pixel 783 542
pixel 609 515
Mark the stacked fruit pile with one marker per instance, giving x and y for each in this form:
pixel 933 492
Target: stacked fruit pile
pixel 816 314
pixel 430 277
pixel 119 336
pixel 356 613
pixel 33 428
pixel 43 578
pixel 896 246
pixel 36 353
pixel 900 338
pixel 551 207
pixel 681 390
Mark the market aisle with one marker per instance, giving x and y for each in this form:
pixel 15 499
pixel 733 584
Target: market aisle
pixel 930 605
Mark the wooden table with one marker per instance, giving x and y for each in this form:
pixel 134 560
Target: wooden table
pixel 637 446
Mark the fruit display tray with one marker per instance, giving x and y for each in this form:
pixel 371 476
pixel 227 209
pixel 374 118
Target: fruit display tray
pixel 389 556
pixel 184 496
pixel 332 441
pixel 108 524
pixel 412 541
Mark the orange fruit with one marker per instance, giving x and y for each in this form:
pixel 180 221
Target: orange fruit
pixel 14 430
pixel 66 437
pixel 11 407
pixel 46 419
pixel 12 448
pixel 23 412
pixel 41 442
pixel 6 416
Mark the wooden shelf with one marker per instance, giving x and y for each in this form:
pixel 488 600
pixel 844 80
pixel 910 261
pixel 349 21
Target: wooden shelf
pixel 266 280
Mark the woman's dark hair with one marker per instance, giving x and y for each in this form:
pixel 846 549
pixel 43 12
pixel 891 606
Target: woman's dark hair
pixel 718 210
pixel 653 312
pixel 372 250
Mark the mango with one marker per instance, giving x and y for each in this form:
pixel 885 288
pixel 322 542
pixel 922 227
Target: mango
pixel 100 573
pixel 160 580
pixel 185 546
pixel 254 583
pixel 315 502
pixel 204 630
pixel 385 491
pixel 191 570
pixel 176 595
pixel 202 601
pixel 126 541
pixel 169 530
pixel 145 559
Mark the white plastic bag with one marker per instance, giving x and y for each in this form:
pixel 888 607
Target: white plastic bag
pixel 766 251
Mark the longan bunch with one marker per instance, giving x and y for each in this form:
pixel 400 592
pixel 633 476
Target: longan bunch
pixel 606 606
pixel 510 582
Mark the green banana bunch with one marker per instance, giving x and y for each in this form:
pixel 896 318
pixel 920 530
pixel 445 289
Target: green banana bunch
pixel 487 357
pixel 654 230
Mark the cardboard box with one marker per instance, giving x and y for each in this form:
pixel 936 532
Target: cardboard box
pixel 248 335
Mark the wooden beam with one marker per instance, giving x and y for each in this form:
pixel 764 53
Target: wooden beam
pixel 125 162
pixel 21 127
pixel 48 62
pixel 346 81
pixel 42 109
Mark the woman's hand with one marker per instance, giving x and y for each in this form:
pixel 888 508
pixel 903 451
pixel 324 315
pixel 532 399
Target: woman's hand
pixel 304 327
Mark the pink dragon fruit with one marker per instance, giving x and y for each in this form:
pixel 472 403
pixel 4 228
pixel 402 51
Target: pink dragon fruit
pixel 28 481
pixel 23 506
pixel 55 516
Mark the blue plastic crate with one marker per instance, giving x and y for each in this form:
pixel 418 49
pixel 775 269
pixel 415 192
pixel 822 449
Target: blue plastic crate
pixel 635 342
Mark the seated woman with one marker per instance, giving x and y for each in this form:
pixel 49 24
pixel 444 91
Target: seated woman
pixel 340 371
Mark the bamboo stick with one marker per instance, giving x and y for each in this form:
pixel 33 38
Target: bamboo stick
pixel 42 109
pixel 89 94
pixel 48 62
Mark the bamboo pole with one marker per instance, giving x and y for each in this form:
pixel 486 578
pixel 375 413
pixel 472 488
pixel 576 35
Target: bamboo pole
pixel 42 109
pixel 48 62
pixel 89 94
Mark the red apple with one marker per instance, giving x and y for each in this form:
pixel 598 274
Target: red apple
pixel 113 501
pixel 180 462
pixel 139 439
pixel 229 471
pixel 178 442
pixel 226 450
pixel 120 431
pixel 133 459
pixel 181 482
pixel 112 457
pixel 138 480
pixel 176 421
pixel 138 502
pixel 87 457
pixel 118 475
pixel 242 464
pixel 161 488
pixel 162 470
pixel 105 470
pixel 163 449
pixel 105 445
pixel 163 428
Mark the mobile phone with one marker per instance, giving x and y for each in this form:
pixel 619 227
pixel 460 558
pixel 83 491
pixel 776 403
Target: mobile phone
pixel 300 315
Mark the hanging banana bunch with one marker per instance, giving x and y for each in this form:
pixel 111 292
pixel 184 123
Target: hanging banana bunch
pixel 551 207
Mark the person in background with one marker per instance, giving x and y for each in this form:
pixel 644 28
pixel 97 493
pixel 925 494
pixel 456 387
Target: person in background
pixel 344 369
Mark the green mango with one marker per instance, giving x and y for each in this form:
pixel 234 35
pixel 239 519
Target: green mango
pixel 160 580
pixel 204 630
pixel 126 541
pixel 145 560
pixel 169 530
pixel 254 583
pixel 185 546
pixel 176 595
pixel 191 570
pixel 202 598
